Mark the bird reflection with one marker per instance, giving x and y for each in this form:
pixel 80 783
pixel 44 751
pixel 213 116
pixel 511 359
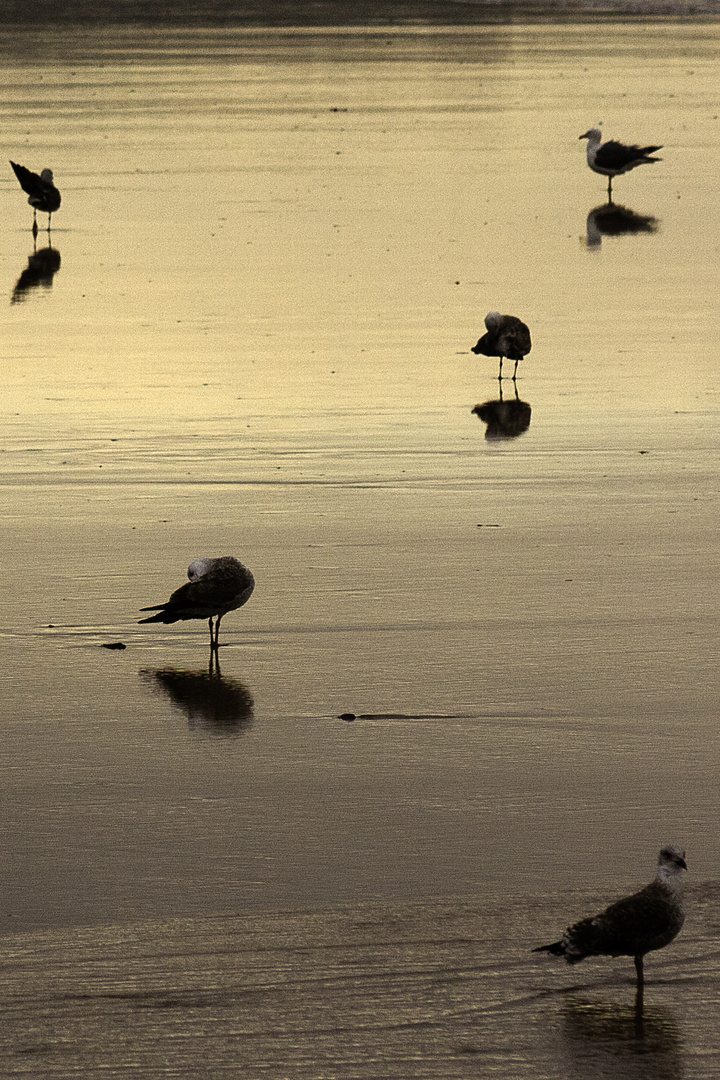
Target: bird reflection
pixel 212 703
pixel 605 1039
pixel 504 419
pixel 42 267
pixel 612 219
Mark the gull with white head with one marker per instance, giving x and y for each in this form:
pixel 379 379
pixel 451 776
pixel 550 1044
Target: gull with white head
pixel 614 158
pixel 216 586
pixel 649 919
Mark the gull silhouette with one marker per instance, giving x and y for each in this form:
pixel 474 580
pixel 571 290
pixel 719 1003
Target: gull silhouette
pixel 636 925
pixel 43 195
pixel 216 586
pixel 613 158
pixel 507 337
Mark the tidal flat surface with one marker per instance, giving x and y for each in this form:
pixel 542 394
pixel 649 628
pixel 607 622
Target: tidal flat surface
pixel 424 990
pixel 250 334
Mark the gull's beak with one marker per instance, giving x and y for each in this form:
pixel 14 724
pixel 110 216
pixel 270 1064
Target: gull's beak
pixel 585 136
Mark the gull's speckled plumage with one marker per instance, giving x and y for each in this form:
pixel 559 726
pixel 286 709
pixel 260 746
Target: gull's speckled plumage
pixel 634 926
pixel 216 586
pixel 507 337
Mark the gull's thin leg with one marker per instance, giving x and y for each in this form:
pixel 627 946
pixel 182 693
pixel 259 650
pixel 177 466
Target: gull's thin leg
pixel 217 633
pixel 639 1003
pixel 609 188
pixel 500 372
pixel 212 639
pixel 639 995
pixel 515 371
pixel 49 216
pixel 35 224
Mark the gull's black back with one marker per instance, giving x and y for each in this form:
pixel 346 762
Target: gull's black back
pixel 43 196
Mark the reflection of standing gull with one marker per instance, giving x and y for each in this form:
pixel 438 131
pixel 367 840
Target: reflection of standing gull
pixel 635 925
pixel 604 1038
pixel 43 195
pixel 216 586
pixel 40 270
pixel 211 702
pixel 613 158
pixel 504 419
pixel 507 337
pixel 612 219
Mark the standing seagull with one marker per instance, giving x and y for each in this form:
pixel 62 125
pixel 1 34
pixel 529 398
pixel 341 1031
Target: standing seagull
pixel 216 586
pixel 507 337
pixel 43 195
pixel 613 158
pixel 635 925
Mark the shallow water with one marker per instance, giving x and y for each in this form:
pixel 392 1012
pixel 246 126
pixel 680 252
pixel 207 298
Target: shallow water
pixel 252 336
pixel 441 989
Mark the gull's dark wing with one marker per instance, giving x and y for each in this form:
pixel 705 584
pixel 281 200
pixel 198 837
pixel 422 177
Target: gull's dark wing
pixel 29 181
pixel 43 196
pixel 614 155
pixel 633 926
pixel 224 588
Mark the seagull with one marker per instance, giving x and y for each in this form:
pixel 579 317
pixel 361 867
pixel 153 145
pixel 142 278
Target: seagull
pixel 613 158
pixel 507 337
pixel 216 586
pixel 636 925
pixel 42 191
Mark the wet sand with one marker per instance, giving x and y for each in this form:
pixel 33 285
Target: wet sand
pixel 446 989
pixel 251 334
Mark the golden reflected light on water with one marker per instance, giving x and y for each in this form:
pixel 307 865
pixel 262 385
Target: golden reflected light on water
pixel 249 332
